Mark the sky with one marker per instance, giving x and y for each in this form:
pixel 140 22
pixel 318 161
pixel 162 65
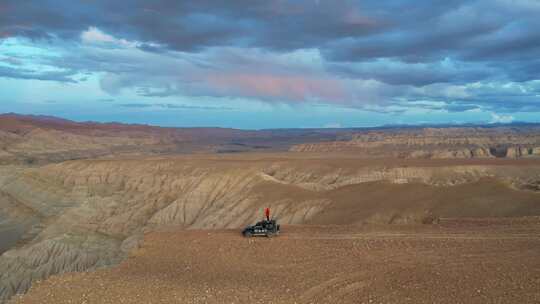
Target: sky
pixel 254 64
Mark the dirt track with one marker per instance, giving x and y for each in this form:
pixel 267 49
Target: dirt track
pixel 458 261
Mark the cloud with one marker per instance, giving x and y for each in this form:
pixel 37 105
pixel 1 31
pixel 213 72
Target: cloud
pixel 223 72
pixel 22 73
pixel 287 88
pixel 458 55
pixel 496 118
pixel 93 35
pixel 352 30
pixel 397 72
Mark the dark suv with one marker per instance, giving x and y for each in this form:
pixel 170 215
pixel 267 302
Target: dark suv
pixel 267 228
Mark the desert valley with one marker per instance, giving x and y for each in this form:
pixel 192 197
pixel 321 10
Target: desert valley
pixel 280 151
pixel 108 213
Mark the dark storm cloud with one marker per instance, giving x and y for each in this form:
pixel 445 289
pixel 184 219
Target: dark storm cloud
pixel 192 25
pixel 346 30
pixel 455 52
pixel 370 29
pixel 43 19
pixel 474 30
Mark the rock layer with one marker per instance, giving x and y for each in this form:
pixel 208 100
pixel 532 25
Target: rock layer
pixel 437 143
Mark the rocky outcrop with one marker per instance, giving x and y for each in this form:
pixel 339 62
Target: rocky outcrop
pixel 517 152
pixel 481 152
pixel 445 176
pixel 443 143
pixel 449 137
pixel 463 153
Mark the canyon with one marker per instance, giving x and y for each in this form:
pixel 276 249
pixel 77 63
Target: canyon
pixel 78 197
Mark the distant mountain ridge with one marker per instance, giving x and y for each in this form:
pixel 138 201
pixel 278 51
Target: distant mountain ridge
pixel 32 139
pixel 43 139
pixel 52 120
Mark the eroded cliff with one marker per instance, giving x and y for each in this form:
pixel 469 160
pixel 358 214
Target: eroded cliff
pixel 436 143
pixel 90 213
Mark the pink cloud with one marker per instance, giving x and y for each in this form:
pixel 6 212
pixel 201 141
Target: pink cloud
pixel 245 73
pixel 278 87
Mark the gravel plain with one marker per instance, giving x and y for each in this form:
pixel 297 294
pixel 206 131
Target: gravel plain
pixel 455 261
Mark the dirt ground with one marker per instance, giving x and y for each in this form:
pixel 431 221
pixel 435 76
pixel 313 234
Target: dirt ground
pixel 455 261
